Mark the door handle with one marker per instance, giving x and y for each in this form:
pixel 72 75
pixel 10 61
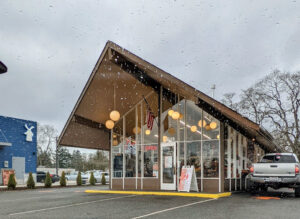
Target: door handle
pixel 273 166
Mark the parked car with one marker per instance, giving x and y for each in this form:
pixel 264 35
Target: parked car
pixel 276 170
pixel 41 176
pixel 98 176
pixel 73 177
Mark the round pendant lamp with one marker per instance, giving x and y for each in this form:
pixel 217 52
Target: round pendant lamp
pixel 170 112
pixel 114 115
pixel 202 123
pixel 175 115
pixel 207 127
pixel 193 128
pixel 181 116
pixel 136 130
pixel 115 142
pixel 213 125
pixel 109 124
pixel 165 138
pixel 147 132
pixel 171 131
pixel 218 136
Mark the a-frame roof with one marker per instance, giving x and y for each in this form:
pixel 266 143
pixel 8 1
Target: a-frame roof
pixel 84 127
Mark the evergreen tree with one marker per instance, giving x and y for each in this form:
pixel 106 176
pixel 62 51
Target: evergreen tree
pixel 48 180
pixel 79 180
pixel 12 181
pixel 103 180
pixel 92 179
pixel 30 181
pixel 62 180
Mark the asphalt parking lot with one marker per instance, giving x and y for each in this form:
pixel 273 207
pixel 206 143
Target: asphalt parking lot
pixel 75 203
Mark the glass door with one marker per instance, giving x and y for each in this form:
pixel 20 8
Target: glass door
pixel 168 166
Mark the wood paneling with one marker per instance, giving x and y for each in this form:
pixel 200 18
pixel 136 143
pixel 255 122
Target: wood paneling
pixel 211 185
pixel 151 184
pixel 117 184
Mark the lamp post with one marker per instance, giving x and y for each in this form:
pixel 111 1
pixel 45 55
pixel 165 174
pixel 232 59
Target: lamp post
pixel 3 68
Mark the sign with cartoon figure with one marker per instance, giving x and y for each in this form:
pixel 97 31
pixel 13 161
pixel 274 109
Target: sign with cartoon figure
pixel 28 133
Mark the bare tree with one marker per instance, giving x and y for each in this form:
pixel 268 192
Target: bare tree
pixel 46 141
pixel 228 100
pixel 281 96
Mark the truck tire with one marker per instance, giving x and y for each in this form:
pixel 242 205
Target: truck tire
pixel 297 192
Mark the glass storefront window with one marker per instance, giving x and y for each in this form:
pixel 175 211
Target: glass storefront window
pixel 150 144
pixel 211 158
pixel 211 127
pixel 117 150
pixel 130 144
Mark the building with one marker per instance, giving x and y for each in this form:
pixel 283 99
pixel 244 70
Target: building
pixel 18 147
pixel 164 124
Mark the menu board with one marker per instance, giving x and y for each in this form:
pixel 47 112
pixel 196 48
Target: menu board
pixel 5 175
pixel 188 180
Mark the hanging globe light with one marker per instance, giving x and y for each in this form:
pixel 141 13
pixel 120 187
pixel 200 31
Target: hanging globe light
pixel 218 136
pixel 165 138
pixel 109 124
pixel 181 116
pixel 207 127
pixel 147 132
pixel 114 115
pixel 202 123
pixel 175 115
pixel 170 112
pixel 136 130
pixel 115 142
pixel 213 125
pixel 171 131
pixel 193 128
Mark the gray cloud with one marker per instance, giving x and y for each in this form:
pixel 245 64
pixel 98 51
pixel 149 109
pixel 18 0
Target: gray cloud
pixel 51 48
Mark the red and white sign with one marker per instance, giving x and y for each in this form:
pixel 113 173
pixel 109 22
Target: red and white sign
pixel 5 176
pixel 188 180
pixel 150 119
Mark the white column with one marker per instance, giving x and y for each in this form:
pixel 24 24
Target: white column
pixel 124 167
pixel 234 159
pixel 142 145
pixel 229 140
pixel 136 147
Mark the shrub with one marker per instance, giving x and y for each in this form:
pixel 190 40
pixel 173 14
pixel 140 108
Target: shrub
pixel 103 180
pixel 30 181
pixel 78 180
pixel 62 180
pixel 92 179
pixel 11 182
pixel 48 180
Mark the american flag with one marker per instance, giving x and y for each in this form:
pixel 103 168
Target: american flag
pixel 150 119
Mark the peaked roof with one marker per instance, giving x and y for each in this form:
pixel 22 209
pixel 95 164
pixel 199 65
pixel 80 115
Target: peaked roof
pixel 146 72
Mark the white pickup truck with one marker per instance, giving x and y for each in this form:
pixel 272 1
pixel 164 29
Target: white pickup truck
pixel 276 170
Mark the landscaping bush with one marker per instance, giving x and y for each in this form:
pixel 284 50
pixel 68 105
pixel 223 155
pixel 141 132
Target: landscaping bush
pixel 30 181
pixel 62 180
pixel 103 180
pixel 48 180
pixel 92 179
pixel 11 182
pixel 79 180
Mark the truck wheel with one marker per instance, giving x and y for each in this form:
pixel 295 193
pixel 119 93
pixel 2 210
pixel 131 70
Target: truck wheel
pixel 297 192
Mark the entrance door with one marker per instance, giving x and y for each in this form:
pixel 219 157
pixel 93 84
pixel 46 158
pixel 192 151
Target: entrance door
pixel 18 164
pixel 168 166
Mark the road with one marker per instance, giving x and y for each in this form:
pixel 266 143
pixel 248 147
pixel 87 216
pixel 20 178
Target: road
pixel 74 203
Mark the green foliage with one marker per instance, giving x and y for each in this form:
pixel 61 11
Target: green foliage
pixel 30 181
pixel 103 180
pixel 12 182
pixel 79 180
pixel 92 179
pixel 62 180
pixel 48 180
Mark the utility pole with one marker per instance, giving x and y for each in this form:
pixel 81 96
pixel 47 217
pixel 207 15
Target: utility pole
pixel 213 88
pixel 56 156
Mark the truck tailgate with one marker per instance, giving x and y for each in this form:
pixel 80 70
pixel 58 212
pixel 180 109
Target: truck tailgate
pixel 274 169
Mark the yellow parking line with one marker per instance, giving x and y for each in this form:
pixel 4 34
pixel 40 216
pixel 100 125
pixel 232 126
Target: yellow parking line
pixel 199 195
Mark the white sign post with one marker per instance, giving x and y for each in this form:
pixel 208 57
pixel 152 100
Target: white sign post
pixel 188 180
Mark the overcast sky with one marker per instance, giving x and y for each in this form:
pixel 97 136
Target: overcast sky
pixel 51 47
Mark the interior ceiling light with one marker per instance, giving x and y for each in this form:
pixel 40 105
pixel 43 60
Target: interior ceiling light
pixel 147 132
pixel 175 115
pixel 202 123
pixel 181 116
pixel 218 136
pixel 207 127
pixel 170 112
pixel 115 142
pixel 136 130
pixel 193 128
pixel 171 131
pixel 213 125
pixel 114 115
pixel 109 124
pixel 165 138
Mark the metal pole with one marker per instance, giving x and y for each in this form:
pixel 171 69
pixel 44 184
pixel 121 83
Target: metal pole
pixel 56 157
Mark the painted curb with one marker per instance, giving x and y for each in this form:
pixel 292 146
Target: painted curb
pixel 199 195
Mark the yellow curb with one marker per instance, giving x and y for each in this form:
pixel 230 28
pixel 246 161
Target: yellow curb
pixel 199 195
